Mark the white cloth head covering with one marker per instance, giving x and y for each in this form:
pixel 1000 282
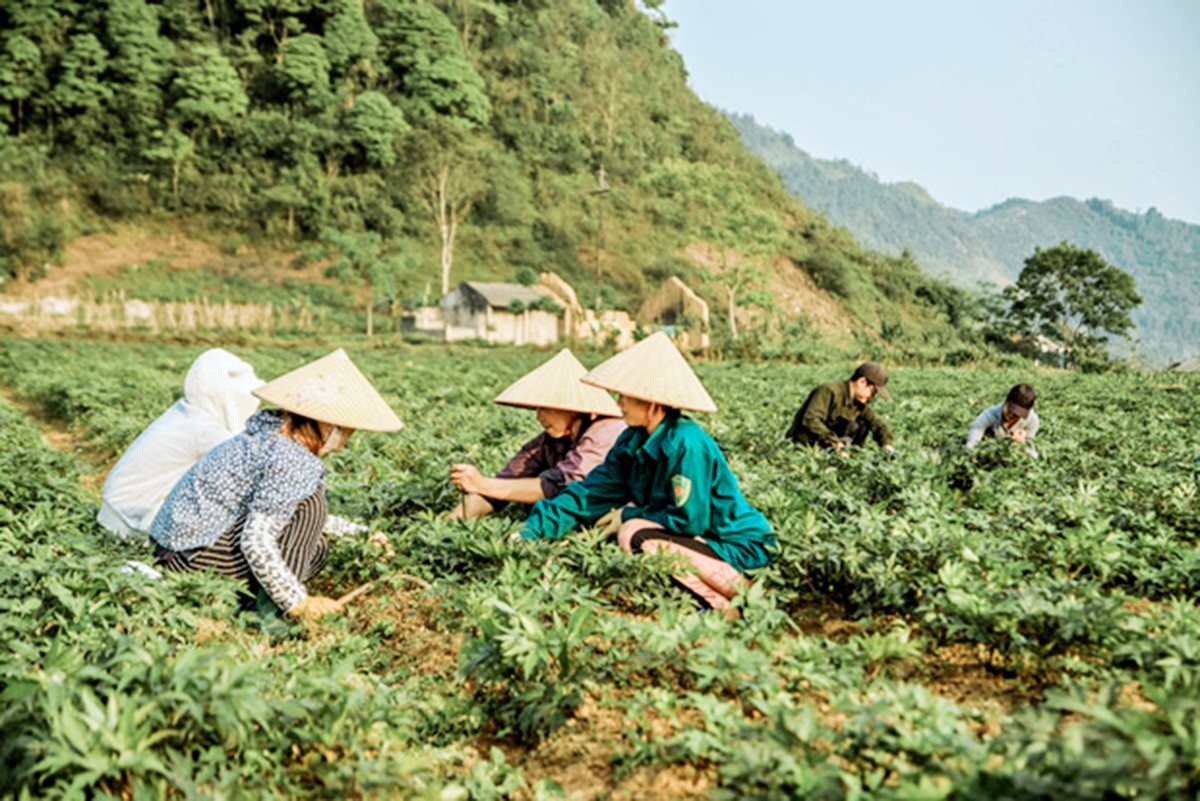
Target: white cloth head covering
pixel 216 403
pixel 556 385
pixel 222 385
pixel 653 370
pixel 332 390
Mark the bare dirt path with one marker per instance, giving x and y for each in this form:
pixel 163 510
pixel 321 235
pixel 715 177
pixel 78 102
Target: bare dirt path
pixel 103 255
pixel 61 438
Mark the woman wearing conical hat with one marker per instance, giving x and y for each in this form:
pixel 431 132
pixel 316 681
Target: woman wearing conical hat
pixel 676 491
pixel 254 507
pixel 580 424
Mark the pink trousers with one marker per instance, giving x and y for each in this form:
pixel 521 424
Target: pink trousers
pixel 711 579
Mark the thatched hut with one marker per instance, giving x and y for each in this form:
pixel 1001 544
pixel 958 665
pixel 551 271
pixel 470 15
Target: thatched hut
pixel 681 312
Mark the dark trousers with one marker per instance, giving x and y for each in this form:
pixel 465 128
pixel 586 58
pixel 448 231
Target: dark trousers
pixel 301 543
pixel 854 432
pixel 637 544
pixel 850 432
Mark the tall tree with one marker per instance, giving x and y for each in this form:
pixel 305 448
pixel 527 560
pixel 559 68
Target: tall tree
pixel 273 21
pixel 441 92
pixel 1072 297
pixel 442 166
pixel 80 93
pixel 210 92
pixel 21 75
pixel 353 50
pixel 140 65
pixel 302 73
pixel 170 146
pixel 473 18
pixel 371 129
pixel 426 58
pixel 363 262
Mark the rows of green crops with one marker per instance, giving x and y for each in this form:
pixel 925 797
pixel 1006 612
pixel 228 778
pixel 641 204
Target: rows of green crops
pixel 934 626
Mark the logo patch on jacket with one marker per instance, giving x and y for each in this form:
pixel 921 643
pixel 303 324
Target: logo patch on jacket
pixel 682 487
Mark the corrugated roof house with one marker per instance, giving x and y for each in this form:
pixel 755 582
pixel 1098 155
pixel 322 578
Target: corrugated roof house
pixel 497 312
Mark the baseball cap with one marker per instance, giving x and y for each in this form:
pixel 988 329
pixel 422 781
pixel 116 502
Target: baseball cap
pixel 873 372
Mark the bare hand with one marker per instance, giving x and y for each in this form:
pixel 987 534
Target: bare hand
pixel 1020 436
pixel 316 606
pixel 466 477
pixel 380 540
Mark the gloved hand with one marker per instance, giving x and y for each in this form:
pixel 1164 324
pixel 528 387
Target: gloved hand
pixel 610 521
pixel 889 449
pixel 316 606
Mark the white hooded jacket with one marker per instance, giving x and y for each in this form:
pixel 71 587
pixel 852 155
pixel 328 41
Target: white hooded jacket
pixel 215 404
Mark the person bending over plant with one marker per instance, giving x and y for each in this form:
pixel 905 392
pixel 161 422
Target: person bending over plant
pixel 217 400
pixel 674 488
pixel 836 415
pixel 580 424
pixel 254 508
pixel 1013 419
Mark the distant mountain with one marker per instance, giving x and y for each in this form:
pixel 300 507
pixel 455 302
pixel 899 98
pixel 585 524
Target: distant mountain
pixel 1162 255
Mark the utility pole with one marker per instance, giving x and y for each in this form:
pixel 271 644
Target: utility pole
pixel 602 188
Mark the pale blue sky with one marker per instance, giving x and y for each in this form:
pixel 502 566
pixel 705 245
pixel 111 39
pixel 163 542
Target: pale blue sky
pixel 976 101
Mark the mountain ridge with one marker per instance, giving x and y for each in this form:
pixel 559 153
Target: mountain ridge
pixel 990 245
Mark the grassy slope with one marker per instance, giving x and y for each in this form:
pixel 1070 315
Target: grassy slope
pixel 616 96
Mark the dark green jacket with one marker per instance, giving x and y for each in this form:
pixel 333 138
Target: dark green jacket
pixel 676 477
pixel 829 413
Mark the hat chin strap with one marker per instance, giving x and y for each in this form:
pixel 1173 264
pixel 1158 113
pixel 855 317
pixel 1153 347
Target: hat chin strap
pixel 333 442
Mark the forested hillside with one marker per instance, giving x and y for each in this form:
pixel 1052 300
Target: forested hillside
pixel 417 144
pixel 1162 255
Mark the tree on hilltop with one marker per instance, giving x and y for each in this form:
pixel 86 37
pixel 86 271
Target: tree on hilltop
pixel 1072 297
pixel 365 262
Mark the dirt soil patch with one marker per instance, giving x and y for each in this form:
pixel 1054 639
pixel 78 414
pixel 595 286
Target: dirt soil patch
pixel 794 292
pixel 104 255
pixel 62 439
pixel 824 618
pixel 965 675
pixel 582 757
pixel 416 641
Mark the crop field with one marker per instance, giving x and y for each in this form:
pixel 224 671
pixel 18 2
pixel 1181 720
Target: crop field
pixel 933 626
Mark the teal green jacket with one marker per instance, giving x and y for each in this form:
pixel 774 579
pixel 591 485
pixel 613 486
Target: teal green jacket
pixel 676 477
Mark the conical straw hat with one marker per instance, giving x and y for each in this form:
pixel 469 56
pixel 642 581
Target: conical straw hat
pixel 332 390
pixel 653 370
pixel 556 385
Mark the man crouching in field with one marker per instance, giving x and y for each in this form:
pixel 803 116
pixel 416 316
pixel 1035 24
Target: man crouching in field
pixel 1014 419
pixel 836 414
